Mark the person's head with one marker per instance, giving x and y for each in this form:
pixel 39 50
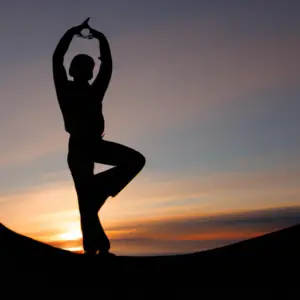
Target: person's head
pixel 82 67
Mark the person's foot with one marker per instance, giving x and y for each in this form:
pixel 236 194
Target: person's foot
pixel 90 253
pixel 101 244
pixel 105 254
pixel 98 253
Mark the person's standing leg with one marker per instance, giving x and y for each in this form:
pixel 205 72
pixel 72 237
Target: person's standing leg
pixel 82 170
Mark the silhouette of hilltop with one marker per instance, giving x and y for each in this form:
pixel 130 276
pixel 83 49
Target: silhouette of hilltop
pixel 270 260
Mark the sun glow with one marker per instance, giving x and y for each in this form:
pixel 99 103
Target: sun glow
pixel 68 232
pixel 75 249
pixel 71 235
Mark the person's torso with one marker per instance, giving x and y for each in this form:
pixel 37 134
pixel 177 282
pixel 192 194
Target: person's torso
pixel 82 110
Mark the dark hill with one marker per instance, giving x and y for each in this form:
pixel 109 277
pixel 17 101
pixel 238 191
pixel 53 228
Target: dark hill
pixel 271 260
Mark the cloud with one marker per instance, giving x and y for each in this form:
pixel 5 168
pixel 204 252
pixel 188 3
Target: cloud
pixel 160 196
pixel 182 235
pixel 172 194
pixel 163 213
pixel 25 209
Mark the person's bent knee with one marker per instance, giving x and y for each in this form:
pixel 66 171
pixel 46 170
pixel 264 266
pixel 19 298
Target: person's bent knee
pixel 140 160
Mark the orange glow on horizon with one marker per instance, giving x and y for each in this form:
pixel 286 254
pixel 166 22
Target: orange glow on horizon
pixel 74 249
pixel 230 235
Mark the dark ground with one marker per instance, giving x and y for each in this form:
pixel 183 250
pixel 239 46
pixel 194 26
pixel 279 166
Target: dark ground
pixel 270 261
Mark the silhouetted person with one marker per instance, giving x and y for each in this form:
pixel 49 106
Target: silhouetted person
pixel 81 106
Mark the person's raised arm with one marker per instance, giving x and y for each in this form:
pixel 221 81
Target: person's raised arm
pixel 59 72
pixel 102 80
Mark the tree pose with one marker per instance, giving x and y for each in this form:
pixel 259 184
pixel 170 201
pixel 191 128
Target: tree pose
pixel 81 106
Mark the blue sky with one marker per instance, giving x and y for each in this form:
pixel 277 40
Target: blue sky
pixel 208 91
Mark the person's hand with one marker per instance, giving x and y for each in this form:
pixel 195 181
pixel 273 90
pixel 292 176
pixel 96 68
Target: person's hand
pixel 95 33
pixel 78 29
pixel 84 24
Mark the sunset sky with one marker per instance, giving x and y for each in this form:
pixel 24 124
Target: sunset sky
pixel 208 91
